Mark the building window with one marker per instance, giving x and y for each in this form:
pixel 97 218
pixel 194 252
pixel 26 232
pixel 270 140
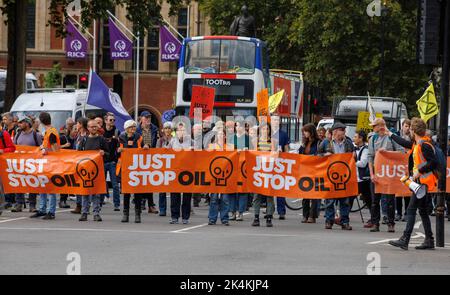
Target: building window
pixel 141 59
pixel 182 17
pixel 107 62
pixel 31 25
pixel 152 60
pixel 153 38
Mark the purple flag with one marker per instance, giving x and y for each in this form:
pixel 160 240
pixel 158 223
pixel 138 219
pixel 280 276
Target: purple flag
pixel 101 96
pixel 120 47
pixel 76 43
pixel 170 45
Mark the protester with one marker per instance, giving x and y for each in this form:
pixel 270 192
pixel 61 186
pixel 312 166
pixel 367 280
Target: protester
pixel 81 132
pixel 329 134
pixel 130 139
pixel 362 170
pixel 164 142
pixel 238 201
pixel 197 137
pixel 421 165
pixel 149 133
pixel 93 142
pixel 100 122
pixel 51 143
pixel 340 144
pixel 219 203
pixel 380 141
pixel 28 137
pixel 266 145
pixel 10 127
pixel 111 136
pixel 405 134
pixel 321 132
pixel 281 143
pixel 66 143
pixel 310 146
pixel 181 141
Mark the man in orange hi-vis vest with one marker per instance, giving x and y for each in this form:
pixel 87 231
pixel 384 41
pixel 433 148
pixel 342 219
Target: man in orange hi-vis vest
pixel 50 143
pixel 421 165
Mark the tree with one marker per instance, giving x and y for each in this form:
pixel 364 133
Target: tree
pixel 53 77
pixel 335 43
pixel 143 13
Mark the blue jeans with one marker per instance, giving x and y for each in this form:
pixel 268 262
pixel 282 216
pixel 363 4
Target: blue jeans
pixel 78 200
pixel 281 206
pixel 43 203
pixel 238 202
pixel 86 202
pixel 344 207
pixel 162 203
pixel 111 168
pixel 219 203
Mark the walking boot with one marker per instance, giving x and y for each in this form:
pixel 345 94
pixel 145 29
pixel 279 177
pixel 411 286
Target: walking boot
pixel 269 221
pixel 77 209
pixel 32 208
pixel 137 217
pixel 126 215
pixel 255 221
pixel 375 228
pixel 17 208
pixel 83 217
pixel 402 242
pixel 428 243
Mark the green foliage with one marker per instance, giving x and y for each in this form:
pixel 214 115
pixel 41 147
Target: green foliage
pixel 335 43
pixel 53 78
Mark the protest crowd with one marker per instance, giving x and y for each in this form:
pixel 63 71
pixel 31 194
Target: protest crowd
pixel 101 134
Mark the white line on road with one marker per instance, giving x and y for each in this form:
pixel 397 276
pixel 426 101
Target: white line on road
pixel 417 225
pixel 188 228
pixel 418 235
pixel 8 220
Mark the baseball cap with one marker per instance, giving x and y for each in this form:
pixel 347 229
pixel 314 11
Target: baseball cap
pixel 26 119
pixel 378 121
pixel 145 114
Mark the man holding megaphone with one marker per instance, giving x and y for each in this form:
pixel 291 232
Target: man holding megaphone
pixel 421 165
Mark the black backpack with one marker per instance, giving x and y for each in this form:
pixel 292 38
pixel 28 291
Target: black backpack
pixel 20 132
pixel 363 172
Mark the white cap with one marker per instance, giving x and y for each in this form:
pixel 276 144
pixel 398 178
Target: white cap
pixel 167 125
pixel 129 123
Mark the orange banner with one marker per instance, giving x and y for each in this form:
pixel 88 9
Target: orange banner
pixel 62 172
pixel 273 174
pixel 390 167
pixel 162 170
pixel 301 176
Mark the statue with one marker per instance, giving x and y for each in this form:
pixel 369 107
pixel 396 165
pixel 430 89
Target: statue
pixel 244 24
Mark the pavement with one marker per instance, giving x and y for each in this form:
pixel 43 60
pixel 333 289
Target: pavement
pixel 36 246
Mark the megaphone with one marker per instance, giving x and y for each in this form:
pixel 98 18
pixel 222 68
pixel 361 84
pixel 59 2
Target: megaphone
pixel 419 190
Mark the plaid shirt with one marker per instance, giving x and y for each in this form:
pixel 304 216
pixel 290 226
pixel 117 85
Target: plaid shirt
pixel 147 137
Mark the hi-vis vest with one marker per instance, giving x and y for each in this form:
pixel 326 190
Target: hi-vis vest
pixel 46 142
pixel 119 161
pixel 419 160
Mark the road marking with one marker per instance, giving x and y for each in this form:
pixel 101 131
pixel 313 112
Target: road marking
pixel 417 225
pixel 8 220
pixel 188 228
pixel 418 235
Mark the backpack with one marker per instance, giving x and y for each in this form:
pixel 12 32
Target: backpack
pixel 363 172
pixel 441 160
pixel 34 137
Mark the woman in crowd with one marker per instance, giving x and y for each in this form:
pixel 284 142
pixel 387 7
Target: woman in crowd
pixel 164 142
pixel 81 132
pixel 310 146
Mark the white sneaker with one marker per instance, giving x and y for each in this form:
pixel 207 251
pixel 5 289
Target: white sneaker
pixel 233 216
pixel 239 217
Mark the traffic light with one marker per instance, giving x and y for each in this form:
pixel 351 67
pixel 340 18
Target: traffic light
pixel 428 30
pixel 83 81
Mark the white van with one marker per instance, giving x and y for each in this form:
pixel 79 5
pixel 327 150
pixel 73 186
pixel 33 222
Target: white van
pixel 31 81
pixel 59 103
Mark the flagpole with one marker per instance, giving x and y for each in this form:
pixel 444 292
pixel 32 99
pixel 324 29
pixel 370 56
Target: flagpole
pixel 136 94
pixel 170 26
pixel 94 48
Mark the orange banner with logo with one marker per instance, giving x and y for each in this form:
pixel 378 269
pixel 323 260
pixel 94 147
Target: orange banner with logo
pixel 390 167
pixel 272 174
pixel 301 176
pixel 62 172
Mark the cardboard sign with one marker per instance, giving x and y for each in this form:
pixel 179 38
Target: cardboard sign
pixel 62 172
pixel 203 98
pixel 262 110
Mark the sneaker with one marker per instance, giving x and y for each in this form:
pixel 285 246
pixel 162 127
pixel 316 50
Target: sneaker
pixel 369 224
pixel 311 220
pixel 152 209
pixel 269 222
pixel 174 221
pixel 255 222
pixel 233 216
pixel 346 226
pixel 162 213
pixel 328 225
pixel 116 208
pixel 185 221
pixel 17 208
pixel 226 223
pixel 211 222
pixel 83 217
pixel 49 216
pixel 37 214
pixel 338 221
pixel 33 210
pixel 391 228
pixel 398 217
pixel 282 217
pixel 97 218
pixel 385 220
pixel 304 220
pixel 375 228
pixel 239 217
